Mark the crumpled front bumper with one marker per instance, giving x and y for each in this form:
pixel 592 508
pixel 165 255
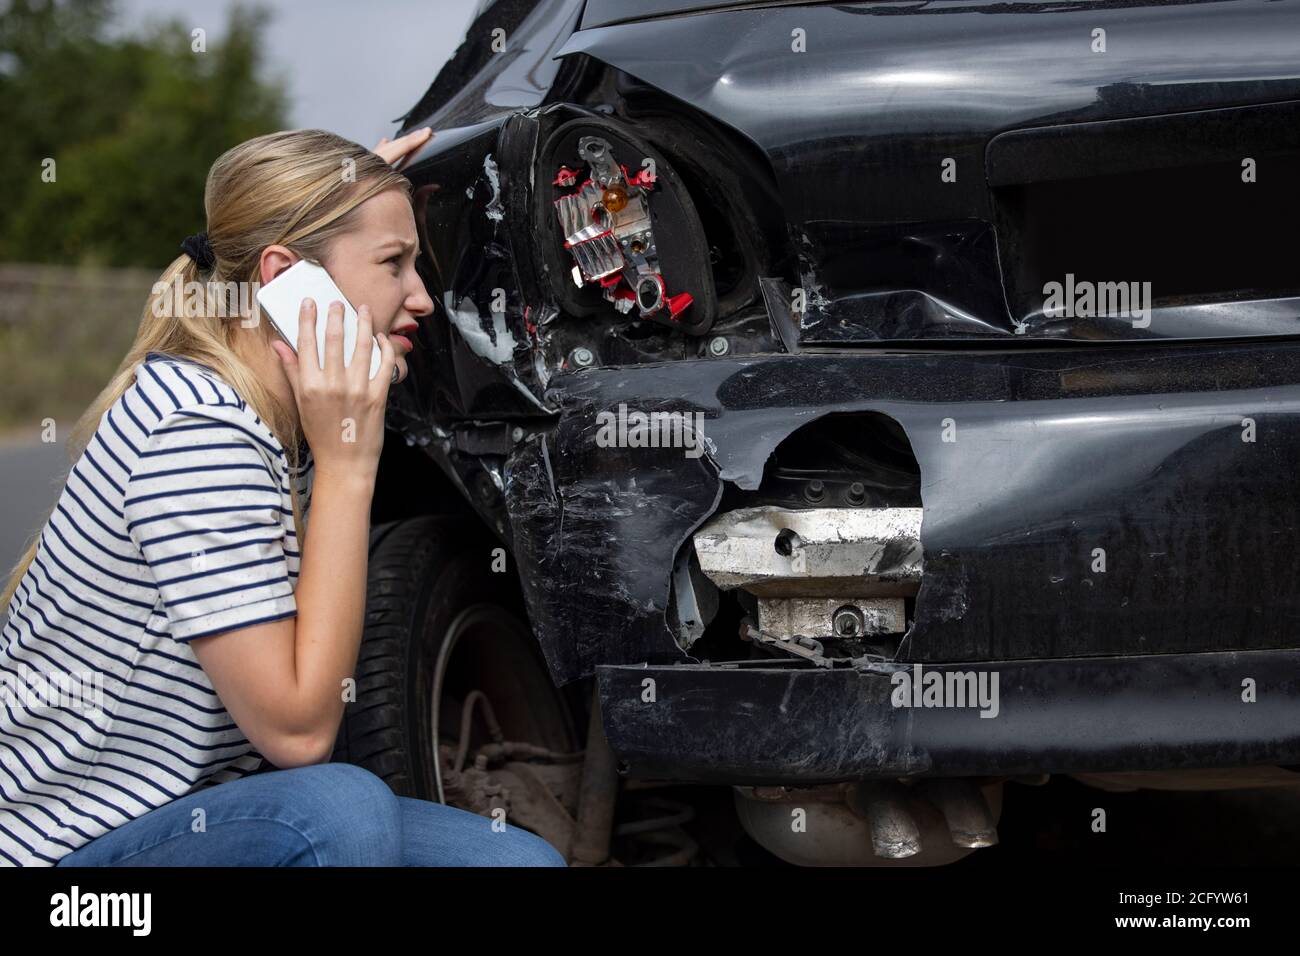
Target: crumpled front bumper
pixel 765 723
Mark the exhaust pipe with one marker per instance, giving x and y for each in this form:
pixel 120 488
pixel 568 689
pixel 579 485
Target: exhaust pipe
pixel 969 819
pixel 894 833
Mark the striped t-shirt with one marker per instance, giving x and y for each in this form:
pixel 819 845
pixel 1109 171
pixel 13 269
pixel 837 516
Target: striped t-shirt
pixel 175 523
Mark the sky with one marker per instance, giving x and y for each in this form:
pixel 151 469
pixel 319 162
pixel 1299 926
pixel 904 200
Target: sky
pixel 352 68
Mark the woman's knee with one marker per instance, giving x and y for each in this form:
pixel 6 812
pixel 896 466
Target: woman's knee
pixel 519 847
pixel 346 814
pixel 435 834
pixel 531 850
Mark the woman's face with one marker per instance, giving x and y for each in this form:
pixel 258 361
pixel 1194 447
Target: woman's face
pixel 374 264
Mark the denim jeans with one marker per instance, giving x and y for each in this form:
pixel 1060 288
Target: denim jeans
pixel 332 814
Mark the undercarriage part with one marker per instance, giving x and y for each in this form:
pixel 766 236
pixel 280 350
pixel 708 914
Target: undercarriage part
pixel 635 244
pixel 894 834
pixel 668 844
pixel 1235 778
pixel 537 794
pixel 873 823
pixel 535 788
pixel 695 600
pixel 964 809
pixel 832 617
pixel 597 796
pixel 820 552
pixel 1032 779
pixel 804 648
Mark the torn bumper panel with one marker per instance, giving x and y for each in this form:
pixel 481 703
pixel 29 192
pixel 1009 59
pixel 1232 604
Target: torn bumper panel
pixel 1058 461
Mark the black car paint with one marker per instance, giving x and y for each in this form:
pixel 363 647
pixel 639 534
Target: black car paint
pixel 1069 437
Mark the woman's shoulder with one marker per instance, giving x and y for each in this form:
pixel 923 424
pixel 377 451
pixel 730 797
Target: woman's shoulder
pixel 205 383
pixel 173 391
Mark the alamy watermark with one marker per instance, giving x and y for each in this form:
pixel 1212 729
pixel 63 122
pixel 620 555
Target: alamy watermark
pixel 212 298
pixel 1084 299
pixel 75 908
pixel 945 688
pixel 637 429
pixel 35 691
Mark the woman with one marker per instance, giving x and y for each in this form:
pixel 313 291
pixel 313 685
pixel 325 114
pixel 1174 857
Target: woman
pixel 175 577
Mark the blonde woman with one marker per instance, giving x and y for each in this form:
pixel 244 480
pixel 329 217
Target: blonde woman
pixel 176 575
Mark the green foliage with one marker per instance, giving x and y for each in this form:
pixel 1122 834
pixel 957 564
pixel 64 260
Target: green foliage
pixel 133 124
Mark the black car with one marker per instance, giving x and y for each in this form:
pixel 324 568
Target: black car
pixel 855 405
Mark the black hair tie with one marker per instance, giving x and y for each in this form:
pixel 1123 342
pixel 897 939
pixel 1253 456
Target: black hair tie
pixel 199 249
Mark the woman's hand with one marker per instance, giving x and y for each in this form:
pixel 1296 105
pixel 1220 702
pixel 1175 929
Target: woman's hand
pixel 397 152
pixel 340 407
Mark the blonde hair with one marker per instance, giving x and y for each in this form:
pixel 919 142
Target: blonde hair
pixel 296 189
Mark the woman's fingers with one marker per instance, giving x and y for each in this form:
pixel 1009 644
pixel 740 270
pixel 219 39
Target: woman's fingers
pixel 398 151
pixel 364 345
pixel 384 377
pixel 307 337
pixel 334 339
pixel 289 362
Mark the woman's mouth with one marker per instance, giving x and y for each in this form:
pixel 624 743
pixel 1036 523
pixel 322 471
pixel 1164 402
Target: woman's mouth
pixel 403 335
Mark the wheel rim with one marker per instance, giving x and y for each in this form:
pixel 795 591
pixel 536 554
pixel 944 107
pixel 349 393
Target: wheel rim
pixel 488 652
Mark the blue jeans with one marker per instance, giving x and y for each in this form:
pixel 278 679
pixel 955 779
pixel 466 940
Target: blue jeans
pixel 332 814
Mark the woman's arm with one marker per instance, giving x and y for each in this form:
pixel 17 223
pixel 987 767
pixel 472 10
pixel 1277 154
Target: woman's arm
pixel 283 681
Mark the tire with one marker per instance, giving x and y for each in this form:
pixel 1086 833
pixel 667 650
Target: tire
pixel 425 574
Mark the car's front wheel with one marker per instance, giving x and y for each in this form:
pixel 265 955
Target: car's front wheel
pixel 452 700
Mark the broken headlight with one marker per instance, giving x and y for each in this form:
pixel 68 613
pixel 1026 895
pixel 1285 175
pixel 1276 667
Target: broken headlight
pixel 607 230
pixel 626 231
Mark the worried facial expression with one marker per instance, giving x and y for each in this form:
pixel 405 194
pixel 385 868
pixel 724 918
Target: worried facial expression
pixel 373 264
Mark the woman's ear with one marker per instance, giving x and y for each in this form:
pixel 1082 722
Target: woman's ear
pixel 274 260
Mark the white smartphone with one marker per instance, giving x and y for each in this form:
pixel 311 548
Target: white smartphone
pixel 281 298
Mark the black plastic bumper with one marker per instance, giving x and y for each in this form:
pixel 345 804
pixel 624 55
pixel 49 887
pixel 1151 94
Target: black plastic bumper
pixel 765 723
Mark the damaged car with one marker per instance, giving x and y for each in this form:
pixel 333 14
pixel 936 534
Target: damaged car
pixel 856 407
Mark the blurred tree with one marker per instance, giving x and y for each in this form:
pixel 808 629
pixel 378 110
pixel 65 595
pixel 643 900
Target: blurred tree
pixel 133 123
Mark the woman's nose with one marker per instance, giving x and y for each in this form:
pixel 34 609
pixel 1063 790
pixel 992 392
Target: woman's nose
pixel 420 303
